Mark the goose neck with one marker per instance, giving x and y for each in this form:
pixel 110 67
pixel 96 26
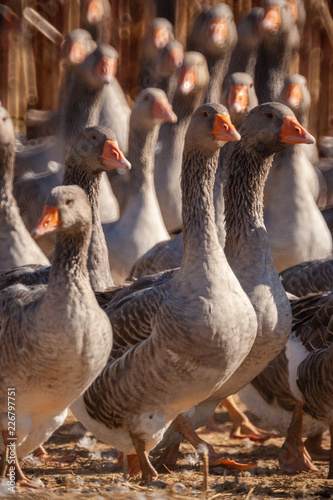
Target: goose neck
pixel 142 143
pixel 7 200
pixel 244 182
pixel 91 185
pixel 70 259
pixel 6 168
pixel 81 109
pixel 198 175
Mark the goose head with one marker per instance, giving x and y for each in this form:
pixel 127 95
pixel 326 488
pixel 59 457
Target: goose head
pixel 67 210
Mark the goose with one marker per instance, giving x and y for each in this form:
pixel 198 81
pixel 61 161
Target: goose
pixel 192 82
pixel 239 96
pixel 74 49
pixel 243 57
pixel 115 111
pixel 214 34
pixel 95 151
pixel 197 303
pixel 54 338
pixel 165 67
pixel 96 19
pixel 16 245
pixel 81 107
pixel 268 128
pixel 141 225
pixel 296 95
pixel 158 33
pixel 308 277
pixel 269 396
pixel 275 50
pixel 309 353
pixel 296 228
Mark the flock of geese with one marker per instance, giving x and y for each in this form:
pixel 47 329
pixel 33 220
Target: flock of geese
pixel 149 289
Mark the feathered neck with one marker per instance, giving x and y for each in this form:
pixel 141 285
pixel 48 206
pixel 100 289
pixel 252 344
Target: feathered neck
pixel 197 180
pixel 142 141
pixel 244 180
pixel 70 258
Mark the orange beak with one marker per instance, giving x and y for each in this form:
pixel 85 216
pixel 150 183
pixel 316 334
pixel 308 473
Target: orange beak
pixel 187 80
pixel 272 19
pixel 106 69
pixel 224 130
pixel 176 58
pixel 112 156
pixel 48 222
pixel 162 110
pixel 95 11
pixel 218 31
pixel 237 98
pixel 77 52
pixel 293 95
pixel 292 132
pixel 160 37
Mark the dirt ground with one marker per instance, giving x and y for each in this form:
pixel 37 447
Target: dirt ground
pixel 96 473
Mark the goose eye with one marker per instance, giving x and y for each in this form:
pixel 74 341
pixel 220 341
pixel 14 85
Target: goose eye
pixel 270 115
pixel 205 114
pixel 69 201
pixel 94 137
pixel 146 98
pixel 4 118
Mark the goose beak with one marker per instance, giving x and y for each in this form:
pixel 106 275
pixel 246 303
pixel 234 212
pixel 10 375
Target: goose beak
pixel 162 110
pixel 224 130
pixel 218 31
pixel 48 222
pixel 238 99
pixel 160 37
pixel 112 157
pixel 272 19
pixel 292 132
pixel 105 69
pixel 292 97
pixel 187 80
pixel 95 11
pixel 77 52
pixel 176 58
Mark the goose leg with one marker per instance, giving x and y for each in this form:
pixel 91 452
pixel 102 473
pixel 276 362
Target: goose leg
pixel 184 426
pixel 168 459
pixel 20 479
pixel 147 470
pixel 330 472
pixel 293 456
pixel 40 452
pixel 313 446
pixel 242 427
pixel 133 463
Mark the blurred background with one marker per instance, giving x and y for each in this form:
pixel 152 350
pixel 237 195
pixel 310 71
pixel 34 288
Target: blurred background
pixel 30 61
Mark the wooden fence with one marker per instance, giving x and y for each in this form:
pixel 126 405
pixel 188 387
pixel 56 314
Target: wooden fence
pixel 30 62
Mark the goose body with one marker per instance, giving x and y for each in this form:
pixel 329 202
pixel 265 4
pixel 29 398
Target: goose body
pixel 54 339
pixel 263 133
pixel 275 50
pixel 192 82
pixel 141 224
pixel 158 33
pixel 297 230
pixel 81 108
pixel 310 358
pixel 214 34
pixel 94 152
pixel 192 302
pixel 16 245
